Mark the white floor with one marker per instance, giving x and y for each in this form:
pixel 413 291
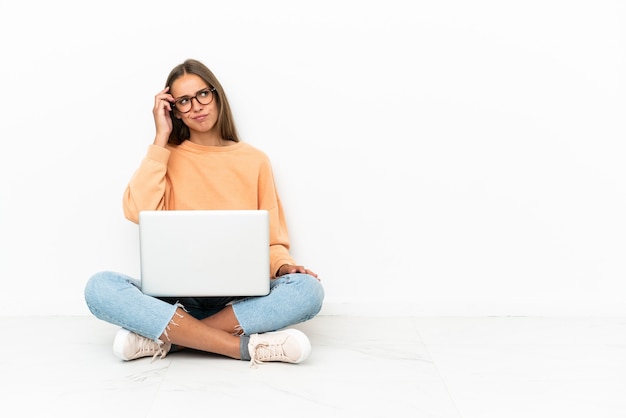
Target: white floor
pixel 359 367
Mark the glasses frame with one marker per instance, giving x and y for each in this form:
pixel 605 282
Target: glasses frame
pixel 190 98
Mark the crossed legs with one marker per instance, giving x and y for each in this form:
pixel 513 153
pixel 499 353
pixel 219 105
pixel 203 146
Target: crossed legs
pixel 117 299
pixel 215 334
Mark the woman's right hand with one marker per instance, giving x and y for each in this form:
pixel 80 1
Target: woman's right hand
pixel 162 119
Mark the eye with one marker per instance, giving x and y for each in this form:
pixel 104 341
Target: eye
pixel 182 101
pixel 204 93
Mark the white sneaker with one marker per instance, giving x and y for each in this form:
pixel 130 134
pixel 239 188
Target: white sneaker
pixel 289 346
pixel 130 346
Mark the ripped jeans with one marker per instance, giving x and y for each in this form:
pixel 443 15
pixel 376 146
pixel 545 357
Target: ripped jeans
pixel 117 299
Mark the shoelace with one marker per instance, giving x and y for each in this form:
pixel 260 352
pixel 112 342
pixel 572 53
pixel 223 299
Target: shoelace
pixel 148 345
pixel 264 352
pixel 161 353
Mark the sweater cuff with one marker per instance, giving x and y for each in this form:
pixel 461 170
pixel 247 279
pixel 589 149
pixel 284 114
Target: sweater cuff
pixel 278 264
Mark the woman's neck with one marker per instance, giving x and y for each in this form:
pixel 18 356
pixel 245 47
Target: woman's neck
pixel 207 139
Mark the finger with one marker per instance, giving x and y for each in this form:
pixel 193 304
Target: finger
pixel 311 273
pixel 164 94
pixel 162 103
pixel 168 104
pixel 164 98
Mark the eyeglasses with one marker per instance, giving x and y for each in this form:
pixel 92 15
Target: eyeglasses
pixel 204 97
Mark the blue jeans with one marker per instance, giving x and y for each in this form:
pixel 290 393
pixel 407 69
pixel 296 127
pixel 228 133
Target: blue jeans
pixel 117 298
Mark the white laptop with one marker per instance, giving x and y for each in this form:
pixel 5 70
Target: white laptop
pixel 204 252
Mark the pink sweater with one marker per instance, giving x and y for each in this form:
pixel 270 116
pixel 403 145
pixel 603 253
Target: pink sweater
pixel 191 176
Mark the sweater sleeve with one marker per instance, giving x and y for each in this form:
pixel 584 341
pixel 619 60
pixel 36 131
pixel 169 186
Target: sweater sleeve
pixel 279 235
pixel 279 240
pixel 148 187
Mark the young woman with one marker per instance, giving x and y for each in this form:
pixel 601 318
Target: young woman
pixel 198 162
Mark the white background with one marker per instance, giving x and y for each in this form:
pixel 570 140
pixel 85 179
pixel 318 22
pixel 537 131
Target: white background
pixel 434 158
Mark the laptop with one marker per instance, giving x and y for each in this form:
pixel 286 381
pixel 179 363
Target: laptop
pixel 204 252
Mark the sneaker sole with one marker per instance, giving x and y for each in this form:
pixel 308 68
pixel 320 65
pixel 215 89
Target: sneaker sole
pixel 304 342
pixel 119 342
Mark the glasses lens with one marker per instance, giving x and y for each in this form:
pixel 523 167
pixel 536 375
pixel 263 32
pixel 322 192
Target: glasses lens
pixel 204 96
pixel 183 104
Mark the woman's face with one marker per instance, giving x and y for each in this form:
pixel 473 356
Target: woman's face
pixel 193 89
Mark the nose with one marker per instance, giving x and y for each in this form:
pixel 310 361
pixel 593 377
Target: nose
pixel 197 102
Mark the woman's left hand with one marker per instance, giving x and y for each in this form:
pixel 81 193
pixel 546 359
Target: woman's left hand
pixel 289 269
